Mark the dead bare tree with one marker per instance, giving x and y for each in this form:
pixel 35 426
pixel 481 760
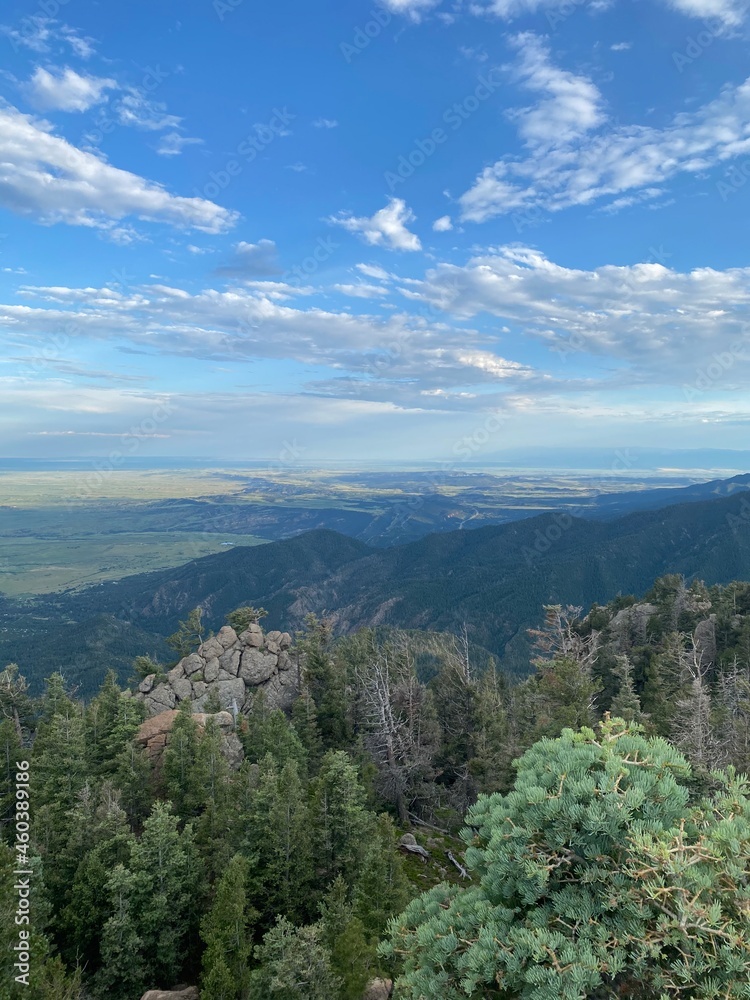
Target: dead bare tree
pixel 397 734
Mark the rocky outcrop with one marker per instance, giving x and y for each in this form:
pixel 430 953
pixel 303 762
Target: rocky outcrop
pixel 379 989
pixel 189 993
pixel 628 626
pixel 154 734
pixel 230 667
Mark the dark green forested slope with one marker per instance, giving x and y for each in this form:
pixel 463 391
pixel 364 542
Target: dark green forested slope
pixel 628 856
pixel 491 578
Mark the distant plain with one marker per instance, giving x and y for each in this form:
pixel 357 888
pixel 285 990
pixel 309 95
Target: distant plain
pixel 67 529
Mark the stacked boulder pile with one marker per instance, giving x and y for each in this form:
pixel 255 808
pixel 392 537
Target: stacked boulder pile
pixel 155 734
pixel 231 667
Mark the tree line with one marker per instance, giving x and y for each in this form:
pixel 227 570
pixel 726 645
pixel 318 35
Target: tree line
pixel 279 880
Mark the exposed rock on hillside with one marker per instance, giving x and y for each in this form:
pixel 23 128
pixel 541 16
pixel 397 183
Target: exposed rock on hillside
pixel 189 993
pixel 231 667
pixel 154 734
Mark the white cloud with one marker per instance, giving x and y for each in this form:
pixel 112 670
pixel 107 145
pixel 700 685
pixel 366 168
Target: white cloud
pixel 621 46
pixel 729 13
pixel 656 324
pixel 571 105
pixel 136 111
pixel 412 8
pixel 39 33
pixel 172 144
pixel 387 227
pixel 443 224
pixel 325 123
pixel 374 271
pixel 362 291
pixel 393 358
pixel 65 90
pixel 614 162
pixel 44 176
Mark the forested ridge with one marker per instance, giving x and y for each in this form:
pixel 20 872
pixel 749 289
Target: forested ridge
pixel 303 873
pixel 495 579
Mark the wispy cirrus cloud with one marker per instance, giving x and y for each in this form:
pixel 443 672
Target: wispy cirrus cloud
pixel 590 160
pixel 728 13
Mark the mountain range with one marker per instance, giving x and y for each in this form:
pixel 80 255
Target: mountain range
pixel 494 579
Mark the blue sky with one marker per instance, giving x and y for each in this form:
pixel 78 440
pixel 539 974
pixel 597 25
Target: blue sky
pixel 408 230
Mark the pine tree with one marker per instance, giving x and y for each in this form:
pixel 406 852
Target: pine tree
pixel 343 934
pixel 225 931
pixel 189 635
pixel 182 780
pixel 382 888
pixel 626 704
pixel 123 970
pixel 324 679
pixel 278 838
pixel 242 617
pixel 340 821
pixel 165 892
pixel 593 877
pixel 305 722
pixel 294 965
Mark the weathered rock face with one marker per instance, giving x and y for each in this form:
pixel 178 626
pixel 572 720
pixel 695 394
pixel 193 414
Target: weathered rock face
pixel 154 734
pixel 189 993
pixel 629 626
pixel 379 989
pixel 231 667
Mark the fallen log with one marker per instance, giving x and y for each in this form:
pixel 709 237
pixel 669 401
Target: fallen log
pixel 415 849
pixel 422 822
pixel 462 871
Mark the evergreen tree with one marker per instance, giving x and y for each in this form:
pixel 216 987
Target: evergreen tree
pixel 226 933
pixel 626 704
pixel 324 679
pixel 189 635
pixel 267 731
pixel 242 617
pixel 278 840
pixel 123 971
pixel 343 934
pixel 165 892
pixel 305 722
pixel 182 780
pixel 594 877
pixel 294 965
pixel 340 821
